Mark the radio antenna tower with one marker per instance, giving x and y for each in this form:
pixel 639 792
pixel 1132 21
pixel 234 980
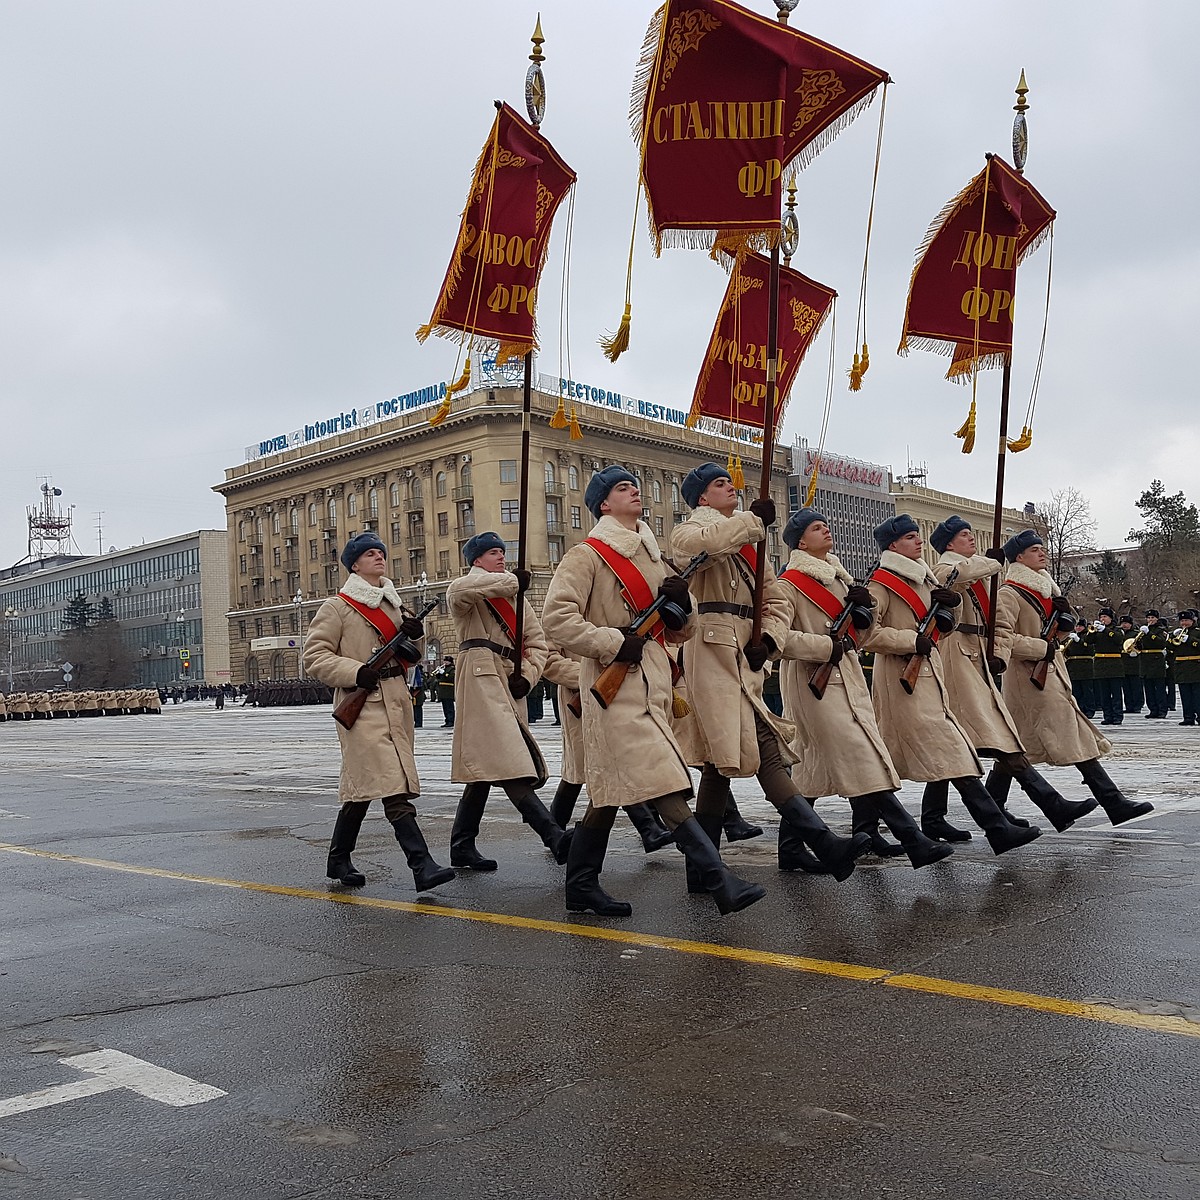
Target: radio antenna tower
pixel 49 526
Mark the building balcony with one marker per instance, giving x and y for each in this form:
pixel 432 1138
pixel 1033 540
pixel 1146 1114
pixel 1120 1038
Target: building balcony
pixel 416 541
pixel 466 492
pixel 555 489
pixel 555 529
pixel 411 506
pixel 464 533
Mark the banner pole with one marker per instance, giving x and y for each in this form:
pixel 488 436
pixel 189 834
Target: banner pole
pixel 522 512
pixel 768 443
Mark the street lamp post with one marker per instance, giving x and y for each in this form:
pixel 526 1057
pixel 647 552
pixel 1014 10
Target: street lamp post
pixel 298 600
pixel 10 616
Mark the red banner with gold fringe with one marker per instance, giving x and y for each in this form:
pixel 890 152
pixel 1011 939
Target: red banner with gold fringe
pixel 960 299
pixel 490 289
pixel 724 100
pixel 732 385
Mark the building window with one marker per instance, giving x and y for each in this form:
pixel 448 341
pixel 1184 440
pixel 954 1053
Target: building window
pixel 675 496
pixel 512 551
pixel 276 557
pixel 352 505
pixel 440 485
pixel 242 630
pixel 443 562
pixel 394 495
pixel 550 476
pixel 464 477
pixel 573 477
pixel 331 511
pixel 508 470
pixel 275 522
pixel 443 523
pixel 314 585
pixel 295 623
pixel 241 564
pixel 576 517
pixel 555 547
pixel 414 490
pixel 258 530
pixel 656 491
pixel 313 552
pixel 258 627
pixel 658 526
pixel 245 592
pixel 312 516
pixel 241 531
pixel 510 512
pixel 294 520
pixel 395 533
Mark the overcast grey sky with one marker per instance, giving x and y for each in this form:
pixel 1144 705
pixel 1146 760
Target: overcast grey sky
pixel 223 219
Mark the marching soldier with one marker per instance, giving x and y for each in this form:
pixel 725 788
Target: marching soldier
pixel 974 697
pixel 1185 661
pixel 1077 650
pixel 1151 657
pixel 1108 667
pixel 738 735
pixel 631 754
pixel 1131 686
pixel 840 747
pixel 925 740
pixel 377 751
pixel 492 743
pixel 1052 728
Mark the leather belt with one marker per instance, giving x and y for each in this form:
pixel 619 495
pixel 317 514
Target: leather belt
pixel 729 610
pixel 484 644
pixel 393 672
pixel 979 630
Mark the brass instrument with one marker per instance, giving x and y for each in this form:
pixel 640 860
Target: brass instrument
pixel 1177 637
pixel 1129 645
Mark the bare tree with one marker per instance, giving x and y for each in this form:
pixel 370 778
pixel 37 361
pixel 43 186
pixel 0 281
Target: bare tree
pixel 1070 528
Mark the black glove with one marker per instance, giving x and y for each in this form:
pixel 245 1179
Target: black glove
pixel 839 648
pixel 1051 648
pixel 764 510
pixel 924 646
pixel 994 554
pixel 524 578
pixel 675 589
pixel 757 653
pixel 1061 604
pixel 412 628
pixel 518 686
pixel 366 678
pixel 997 666
pixel 631 650
pixel 945 597
pixel 857 595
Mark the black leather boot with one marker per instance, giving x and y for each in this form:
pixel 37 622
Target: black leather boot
pixel 794 855
pixel 934 803
pixel 731 893
pixel 737 828
pixel 1117 806
pixel 427 873
pixel 654 835
pixel 563 804
pixel 710 826
pixel 466 829
pixel 535 814
pixel 986 813
pixel 921 850
pixel 866 820
pixel 836 853
pixel 1055 807
pixel 586 857
pixel 998 784
pixel 345 838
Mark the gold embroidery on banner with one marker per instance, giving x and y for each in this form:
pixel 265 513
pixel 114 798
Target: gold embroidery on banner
pixel 504 158
pixel 804 316
pixel 545 197
pixel 687 30
pixel 817 89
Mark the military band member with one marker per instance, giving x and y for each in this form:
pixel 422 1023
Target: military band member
pixel 840 747
pixel 926 742
pixel 1108 667
pixel 630 751
pixel 1077 650
pixel 1132 692
pixel 975 699
pixel 1185 662
pixel 738 735
pixel 377 752
pixel 1052 728
pixel 492 743
pixel 1151 659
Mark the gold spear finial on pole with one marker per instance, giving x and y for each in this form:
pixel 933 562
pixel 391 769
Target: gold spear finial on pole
pixel 785 8
pixel 1020 136
pixel 535 83
pixel 791 225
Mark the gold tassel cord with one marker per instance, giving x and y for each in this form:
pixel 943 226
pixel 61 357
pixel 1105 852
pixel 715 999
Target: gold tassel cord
pixel 811 494
pixel 443 411
pixel 1023 442
pixel 576 432
pixel 452 389
pixel 966 431
pixel 615 344
pixel 559 420
pixel 680 708
pixel 862 364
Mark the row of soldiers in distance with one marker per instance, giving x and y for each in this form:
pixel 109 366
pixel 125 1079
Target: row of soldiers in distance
pixel 1108 677
pixel 636 749
pixel 32 706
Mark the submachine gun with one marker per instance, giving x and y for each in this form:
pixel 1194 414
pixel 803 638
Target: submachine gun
pixel 851 614
pixel 912 669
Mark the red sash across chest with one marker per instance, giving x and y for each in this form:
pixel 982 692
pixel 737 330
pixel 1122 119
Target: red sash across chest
pixel 383 624
pixel 503 610
pixel 1045 603
pixel 982 601
pixel 635 591
pixel 907 593
pixel 819 594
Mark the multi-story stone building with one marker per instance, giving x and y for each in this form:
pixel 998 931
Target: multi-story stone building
pixel 168 596
pixel 929 507
pixel 426 489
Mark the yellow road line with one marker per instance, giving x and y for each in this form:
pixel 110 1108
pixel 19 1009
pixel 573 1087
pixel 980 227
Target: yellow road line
pixel 930 985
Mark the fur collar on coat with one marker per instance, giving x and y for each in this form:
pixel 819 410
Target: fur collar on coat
pixel 624 541
pixel 912 569
pixel 981 567
pixel 1036 581
pixel 357 588
pixel 823 570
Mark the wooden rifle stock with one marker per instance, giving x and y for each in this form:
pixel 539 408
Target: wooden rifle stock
pixel 818 678
pixel 575 704
pixel 912 669
pixel 1041 669
pixel 607 686
pixel 401 648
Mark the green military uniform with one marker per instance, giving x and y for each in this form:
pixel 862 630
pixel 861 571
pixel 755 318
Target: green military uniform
pixel 1152 662
pixel 1108 671
pixel 445 691
pixel 866 660
pixel 1078 653
pixel 1131 686
pixel 1184 657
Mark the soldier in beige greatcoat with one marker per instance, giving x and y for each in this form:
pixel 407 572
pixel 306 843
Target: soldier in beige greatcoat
pixel 840 748
pixel 1052 727
pixel 925 740
pixel 740 736
pixel 377 751
pixel 492 743
pixel 630 751
pixel 974 697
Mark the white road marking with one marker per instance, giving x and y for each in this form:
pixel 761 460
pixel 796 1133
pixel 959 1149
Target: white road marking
pixel 111 1071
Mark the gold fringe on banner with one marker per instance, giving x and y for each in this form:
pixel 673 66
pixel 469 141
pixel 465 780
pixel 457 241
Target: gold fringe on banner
pixel 966 431
pixel 862 364
pixel 576 432
pixel 559 420
pixel 1016 445
pixel 452 389
pixel 443 411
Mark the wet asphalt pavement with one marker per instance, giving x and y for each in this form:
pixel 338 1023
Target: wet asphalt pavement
pixel 379 1052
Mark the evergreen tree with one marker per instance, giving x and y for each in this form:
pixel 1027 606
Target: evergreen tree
pixel 81 613
pixel 1167 567
pixel 1112 575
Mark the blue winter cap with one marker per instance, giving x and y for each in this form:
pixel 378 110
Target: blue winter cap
pixel 947 531
pixel 696 482
pixel 481 543
pixel 894 529
pixel 358 545
pixel 793 531
pixel 1021 542
pixel 601 484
